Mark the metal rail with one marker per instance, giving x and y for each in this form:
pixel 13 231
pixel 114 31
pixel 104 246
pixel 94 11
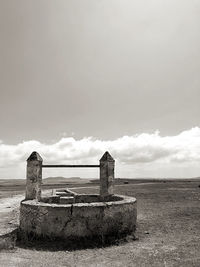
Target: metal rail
pixel 70 166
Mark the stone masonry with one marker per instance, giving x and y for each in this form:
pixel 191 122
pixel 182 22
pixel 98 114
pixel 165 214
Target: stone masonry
pixel 107 164
pixel 34 177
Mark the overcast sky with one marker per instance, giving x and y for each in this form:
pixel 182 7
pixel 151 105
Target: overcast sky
pixel 118 71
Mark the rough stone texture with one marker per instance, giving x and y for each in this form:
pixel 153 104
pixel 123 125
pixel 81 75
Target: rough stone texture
pixel 83 198
pixel 107 165
pixel 66 200
pixel 89 198
pixel 34 177
pixel 63 193
pixel 70 192
pixel 54 199
pixel 79 198
pixel 80 220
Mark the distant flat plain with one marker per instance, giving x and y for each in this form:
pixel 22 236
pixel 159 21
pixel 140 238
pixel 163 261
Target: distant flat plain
pixel 168 227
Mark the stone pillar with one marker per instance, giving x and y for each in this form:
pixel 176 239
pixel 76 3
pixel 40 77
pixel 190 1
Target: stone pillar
pixel 107 164
pixel 34 176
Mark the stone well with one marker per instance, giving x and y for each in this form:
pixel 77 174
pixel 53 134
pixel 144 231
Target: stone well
pixel 70 216
pixel 116 217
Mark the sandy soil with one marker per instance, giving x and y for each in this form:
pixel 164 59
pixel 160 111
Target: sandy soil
pixel 9 213
pixel 168 231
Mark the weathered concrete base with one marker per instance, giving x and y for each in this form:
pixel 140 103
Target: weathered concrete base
pixel 97 221
pixel 67 200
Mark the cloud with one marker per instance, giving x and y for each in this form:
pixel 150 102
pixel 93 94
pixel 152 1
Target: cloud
pixel 141 149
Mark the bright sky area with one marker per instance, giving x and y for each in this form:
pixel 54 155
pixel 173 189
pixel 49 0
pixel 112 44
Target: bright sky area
pixel 78 78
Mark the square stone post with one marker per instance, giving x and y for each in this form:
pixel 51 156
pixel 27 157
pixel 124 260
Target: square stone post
pixel 34 176
pixel 107 164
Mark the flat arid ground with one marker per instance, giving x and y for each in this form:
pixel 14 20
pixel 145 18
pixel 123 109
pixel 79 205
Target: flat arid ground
pixel 168 227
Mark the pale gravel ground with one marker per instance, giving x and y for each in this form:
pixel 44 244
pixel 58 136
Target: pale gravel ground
pixel 8 220
pixel 10 203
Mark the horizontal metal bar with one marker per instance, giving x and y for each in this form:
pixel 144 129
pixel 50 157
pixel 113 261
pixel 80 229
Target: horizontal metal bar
pixel 70 166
